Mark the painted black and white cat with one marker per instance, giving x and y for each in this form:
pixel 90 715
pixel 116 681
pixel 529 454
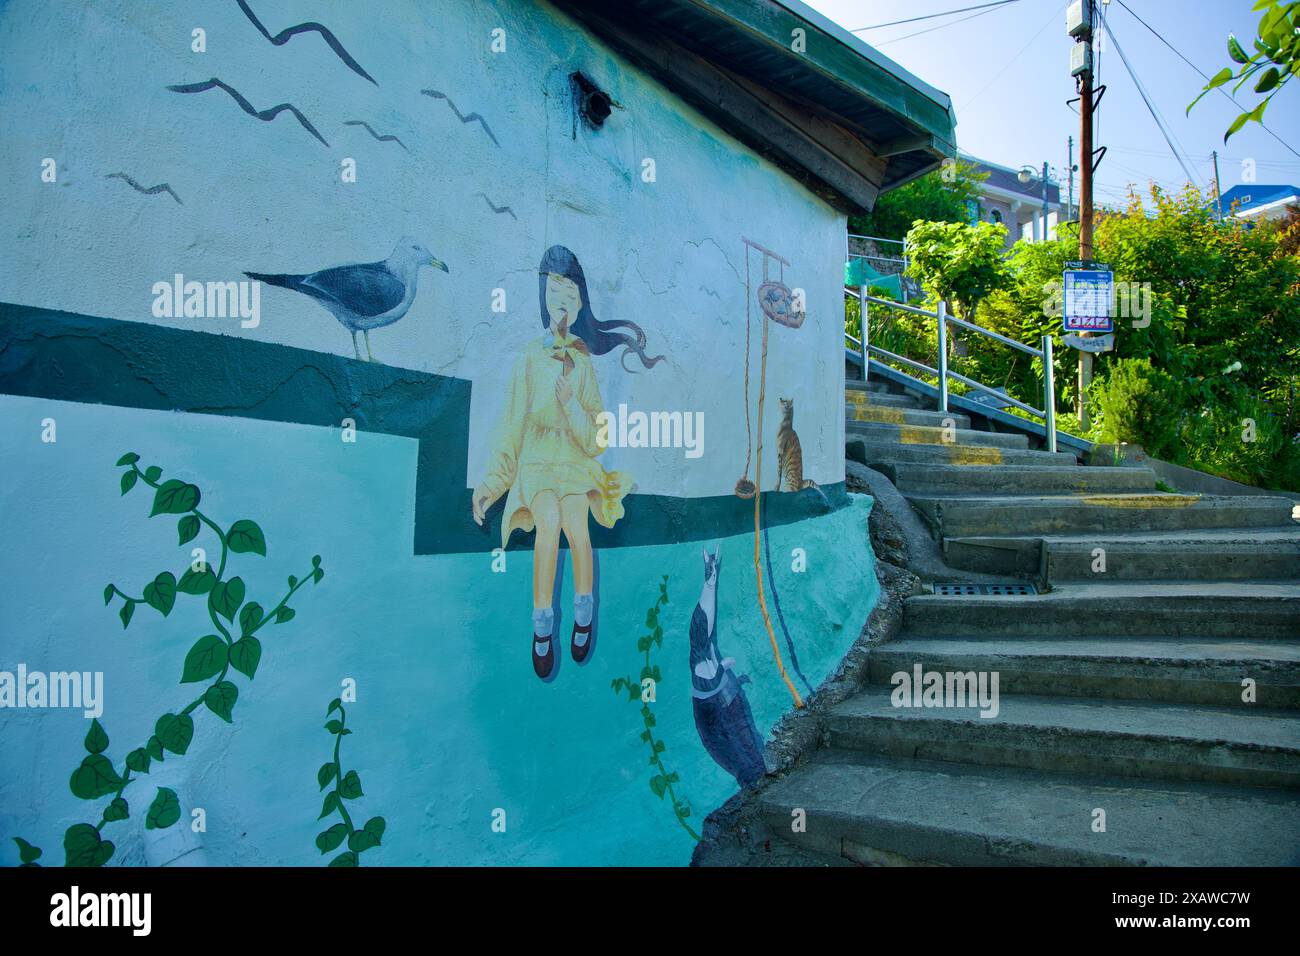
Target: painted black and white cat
pixel 722 715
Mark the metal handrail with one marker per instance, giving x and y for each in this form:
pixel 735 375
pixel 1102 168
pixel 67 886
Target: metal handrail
pixel 943 373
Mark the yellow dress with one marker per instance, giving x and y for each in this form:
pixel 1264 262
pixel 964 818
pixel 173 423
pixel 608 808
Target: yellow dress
pixel 542 446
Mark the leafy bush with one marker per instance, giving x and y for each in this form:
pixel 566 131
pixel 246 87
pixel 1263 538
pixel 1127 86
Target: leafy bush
pixel 1132 405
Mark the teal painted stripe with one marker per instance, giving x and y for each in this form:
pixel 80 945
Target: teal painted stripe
pixel 79 358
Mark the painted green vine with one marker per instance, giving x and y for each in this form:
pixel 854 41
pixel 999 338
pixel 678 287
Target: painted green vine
pixel 347 786
pixel 211 658
pixel 662 781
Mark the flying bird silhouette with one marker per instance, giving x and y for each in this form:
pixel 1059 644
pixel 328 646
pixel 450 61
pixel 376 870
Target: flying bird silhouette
pixel 367 295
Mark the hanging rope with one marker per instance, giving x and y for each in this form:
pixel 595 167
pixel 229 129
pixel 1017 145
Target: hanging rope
pixel 758 505
pixel 744 487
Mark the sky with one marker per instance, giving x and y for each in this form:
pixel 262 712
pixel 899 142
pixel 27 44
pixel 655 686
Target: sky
pixel 1007 71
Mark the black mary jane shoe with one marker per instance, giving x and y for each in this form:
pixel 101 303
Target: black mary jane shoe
pixel 543 664
pixel 581 651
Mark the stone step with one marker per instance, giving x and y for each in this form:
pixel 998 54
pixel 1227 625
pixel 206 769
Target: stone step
pixel 866 452
pixel 1244 745
pixel 966 516
pixel 875 385
pixel 1229 555
pixel 903 416
pixel 911 478
pixel 879 810
pixel 1270 556
pixel 1187 610
pixel 852 398
pixel 929 435
pixel 1191 671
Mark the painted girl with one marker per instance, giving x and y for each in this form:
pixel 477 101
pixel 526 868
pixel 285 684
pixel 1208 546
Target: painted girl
pixel 545 450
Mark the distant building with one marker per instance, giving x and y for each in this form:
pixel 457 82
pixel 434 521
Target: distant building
pixel 1258 202
pixel 1018 206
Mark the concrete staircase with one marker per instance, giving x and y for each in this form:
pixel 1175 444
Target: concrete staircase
pixel 1119 690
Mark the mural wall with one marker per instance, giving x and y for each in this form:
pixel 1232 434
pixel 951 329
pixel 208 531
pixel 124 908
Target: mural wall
pixel 423 470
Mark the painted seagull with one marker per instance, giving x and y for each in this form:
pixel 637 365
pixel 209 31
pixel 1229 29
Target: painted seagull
pixel 365 296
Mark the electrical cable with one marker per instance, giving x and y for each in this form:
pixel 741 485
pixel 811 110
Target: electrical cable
pixel 1203 75
pixel 931 16
pixel 940 26
pixel 1009 63
pixel 1155 115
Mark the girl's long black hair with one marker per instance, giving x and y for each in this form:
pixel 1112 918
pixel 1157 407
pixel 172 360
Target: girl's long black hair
pixel 598 336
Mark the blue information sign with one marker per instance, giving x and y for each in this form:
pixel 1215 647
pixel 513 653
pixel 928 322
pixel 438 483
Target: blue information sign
pixel 1089 295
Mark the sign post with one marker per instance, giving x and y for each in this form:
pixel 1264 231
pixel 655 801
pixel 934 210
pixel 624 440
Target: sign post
pixel 1089 297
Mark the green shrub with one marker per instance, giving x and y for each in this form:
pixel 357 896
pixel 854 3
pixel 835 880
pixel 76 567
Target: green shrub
pixel 1136 403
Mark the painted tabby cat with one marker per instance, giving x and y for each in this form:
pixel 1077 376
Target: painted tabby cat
pixel 789 455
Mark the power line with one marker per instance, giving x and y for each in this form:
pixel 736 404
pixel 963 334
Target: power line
pixel 931 16
pixel 1203 75
pixel 942 25
pixel 1155 115
pixel 1008 64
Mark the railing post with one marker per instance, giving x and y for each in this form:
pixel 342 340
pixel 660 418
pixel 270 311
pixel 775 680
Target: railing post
pixel 943 356
pixel 1049 393
pixel 862 330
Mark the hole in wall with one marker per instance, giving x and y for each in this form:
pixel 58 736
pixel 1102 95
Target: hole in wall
pixel 593 104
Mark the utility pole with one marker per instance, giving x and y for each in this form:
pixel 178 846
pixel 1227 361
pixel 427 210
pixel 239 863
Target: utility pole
pixel 1085 193
pixel 1045 174
pixel 1218 191
pixel 1069 153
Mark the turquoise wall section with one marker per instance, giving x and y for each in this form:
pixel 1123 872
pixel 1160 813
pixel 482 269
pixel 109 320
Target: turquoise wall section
pixel 450 722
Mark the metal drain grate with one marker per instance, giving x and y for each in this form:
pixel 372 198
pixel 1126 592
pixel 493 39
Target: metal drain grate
pixel 1004 590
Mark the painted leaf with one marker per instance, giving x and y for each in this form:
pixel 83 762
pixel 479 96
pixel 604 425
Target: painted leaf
pixel 174 732
pixel 174 498
pixel 335 704
pixel 83 846
pixel 187 529
pixel 128 609
pixel 331 838
pixel 108 594
pixel 330 805
pixel 206 659
pixel 130 458
pixel 26 852
pixel 164 811
pixel 152 473
pixel 362 840
pixel 284 615
pixel 220 699
pixel 245 655
pixel 376 826
pixel 154 748
pixel 334 726
pixel 96 739
pixel 347 858
pixel 138 760
pixel 196 582
pixel 350 786
pixel 658 784
pixel 245 536
pixel 250 617
pixel 317 575
pixel 227 596
pixel 161 593
pixel 129 479
pixel 325 774
pixel 117 810
pixel 94 778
